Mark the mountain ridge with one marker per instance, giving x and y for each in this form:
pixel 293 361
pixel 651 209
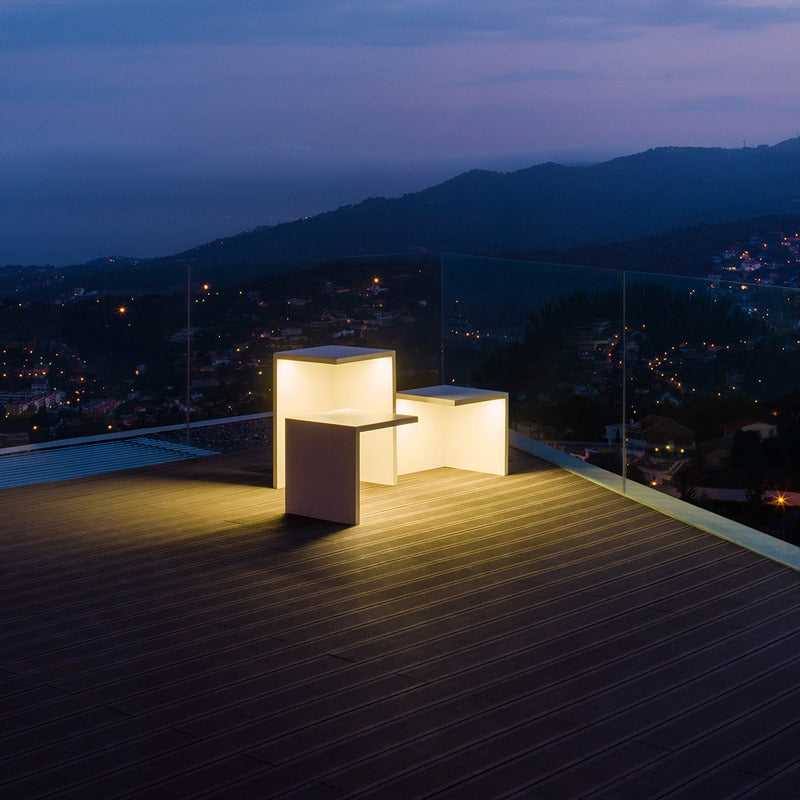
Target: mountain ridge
pixel 540 207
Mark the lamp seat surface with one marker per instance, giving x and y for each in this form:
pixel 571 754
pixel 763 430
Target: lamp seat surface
pixel 459 426
pixel 450 395
pixel 334 354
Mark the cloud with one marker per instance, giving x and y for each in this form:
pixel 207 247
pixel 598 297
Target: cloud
pixel 713 104
pixel 377 23
pixel 530 76
pixel 720 14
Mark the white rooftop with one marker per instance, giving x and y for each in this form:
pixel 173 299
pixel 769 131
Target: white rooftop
pixel 80 461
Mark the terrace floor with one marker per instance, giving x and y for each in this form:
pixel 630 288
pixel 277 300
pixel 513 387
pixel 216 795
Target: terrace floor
pixel 168 632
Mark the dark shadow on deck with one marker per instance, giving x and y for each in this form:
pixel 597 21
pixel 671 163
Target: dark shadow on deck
pixel 296 532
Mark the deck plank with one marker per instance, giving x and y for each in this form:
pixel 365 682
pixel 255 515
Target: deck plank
pixel 168 631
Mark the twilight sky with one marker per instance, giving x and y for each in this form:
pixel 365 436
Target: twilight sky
pixel 145 127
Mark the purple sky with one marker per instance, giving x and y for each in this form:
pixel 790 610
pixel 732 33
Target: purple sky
pixel 144 127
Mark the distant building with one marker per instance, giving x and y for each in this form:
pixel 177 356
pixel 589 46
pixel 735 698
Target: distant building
pixel 653 434
pixel 729 429
pixel 764 429
pixel 183 334
pixel 14 439
pixel 17 403
pixel 100 408
pixel 666 433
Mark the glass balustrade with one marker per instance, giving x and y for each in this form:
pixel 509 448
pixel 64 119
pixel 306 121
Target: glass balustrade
pixel 689 386
pixel 551 336
pixel 178 350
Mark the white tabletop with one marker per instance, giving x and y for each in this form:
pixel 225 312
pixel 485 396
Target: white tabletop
pixel 450 395
pixel 358 419
pixel 333 354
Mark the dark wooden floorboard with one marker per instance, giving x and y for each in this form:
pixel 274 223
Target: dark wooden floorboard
pixel 170 632
pixel 781 785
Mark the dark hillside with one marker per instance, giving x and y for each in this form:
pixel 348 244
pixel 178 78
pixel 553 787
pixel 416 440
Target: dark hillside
pixel 683 251
pixel 582 210
pixel 545 206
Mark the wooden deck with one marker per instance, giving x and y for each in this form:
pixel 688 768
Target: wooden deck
pixel 169 633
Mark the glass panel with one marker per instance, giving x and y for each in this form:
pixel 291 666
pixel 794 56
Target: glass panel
pixel 715 382
pixel 549 335
pixel 711 375
pixel 82 358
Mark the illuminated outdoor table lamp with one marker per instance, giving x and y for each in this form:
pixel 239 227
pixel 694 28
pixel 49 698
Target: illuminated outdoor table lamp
pixel 334 425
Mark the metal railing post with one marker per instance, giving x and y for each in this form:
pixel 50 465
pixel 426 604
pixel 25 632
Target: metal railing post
pixel 188 353
pixel 624 386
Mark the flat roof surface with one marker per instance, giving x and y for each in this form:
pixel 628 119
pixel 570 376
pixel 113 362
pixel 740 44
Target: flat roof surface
pixel 169 632
pixel 94 458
